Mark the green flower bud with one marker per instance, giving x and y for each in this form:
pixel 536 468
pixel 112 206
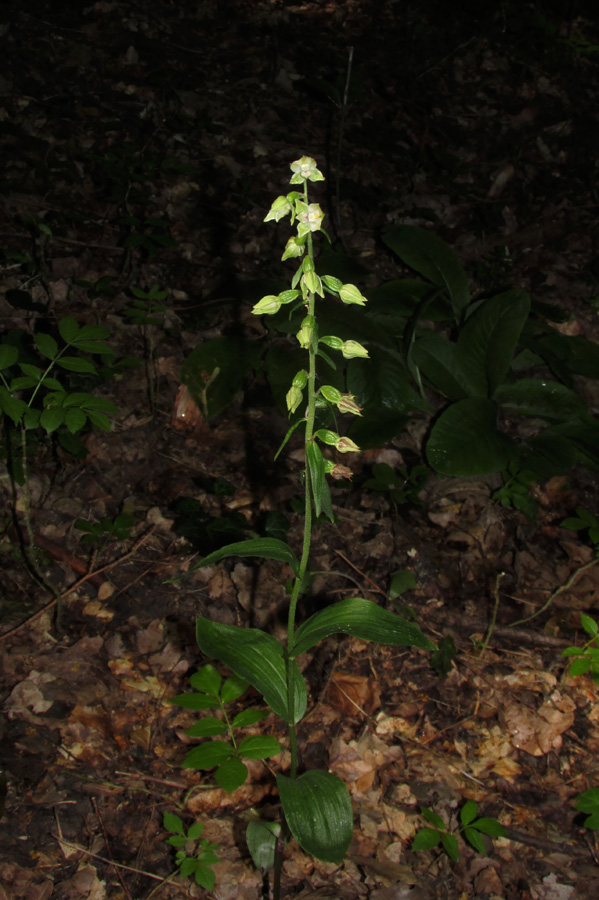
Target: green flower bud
pixel 294 247
pixel 349 293
pixel 268 306
pixel 331 341
pixel 346 445
pixel 311 283
pixel 304 169
pixel 306 332
pixel 351 350
pixel 331 394
pixel 327 437
pixel 333 284
pixel 280 208
pixel 288 296
pixel 308 264
pixel 301 379
pixel 293 398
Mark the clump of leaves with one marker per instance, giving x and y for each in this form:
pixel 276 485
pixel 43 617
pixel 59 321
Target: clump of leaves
pixel 472 829
pixel 224 756
pixel 515 491
pixel 588 803
pixel 198 865
pixel 584 521
pixel 119 529
pixel 586 658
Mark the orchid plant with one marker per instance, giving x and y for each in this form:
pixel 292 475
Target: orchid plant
pixel 316 806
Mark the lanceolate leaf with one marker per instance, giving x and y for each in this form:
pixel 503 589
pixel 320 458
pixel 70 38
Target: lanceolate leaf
pixel 266 548
pixel 362 619
pixel 320 488
pixel 318 811
pixel 257 657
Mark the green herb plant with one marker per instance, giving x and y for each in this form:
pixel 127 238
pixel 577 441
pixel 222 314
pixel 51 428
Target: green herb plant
pixel 471 829
pixel 211 693
pixel 316 807
pixel 118 529
pixel 588 803
pixel 199 864
pixel 584 521
pixel 585 659
pixel 34 400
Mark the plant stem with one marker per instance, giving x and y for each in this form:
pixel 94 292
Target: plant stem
pixel 297 586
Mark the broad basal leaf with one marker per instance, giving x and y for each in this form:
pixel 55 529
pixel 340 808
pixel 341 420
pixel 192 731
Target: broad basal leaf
pixel 432 257
pixel 465 441
pixel 258 658
pixel 318 811
pixel 487 342
pixel 362 619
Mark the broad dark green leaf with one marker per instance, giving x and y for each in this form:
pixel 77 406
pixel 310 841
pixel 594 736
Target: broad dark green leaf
pixel 231 774
pixel 8 356
pixel 426 839
pixel 362 619
pixel 264 548
pixel 214 371
pixel 465 441
pixel 318 811
pixel 541 399
pixel 261 838
pixel 207 680
pixel 260 746
pixel 46 345
pixel 52 418
pixel 257 657
pixel 74 419
pixel 450 843
pixel 68 328
pixel 76 364
pixel 490 826
pixel 468 812
pixel 249 717
pixel 173 823
pixel 475 839
pixel 193 701
pixel 208 727
pixel 435 357
pixel 487 342
pixel 14 407
pixel 233 688
pixel 432 257
pixel 208 755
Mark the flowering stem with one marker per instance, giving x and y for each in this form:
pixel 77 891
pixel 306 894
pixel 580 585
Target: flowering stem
pixel 310 415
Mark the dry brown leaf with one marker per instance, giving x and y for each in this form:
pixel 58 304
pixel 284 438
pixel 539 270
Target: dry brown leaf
pixel 353 694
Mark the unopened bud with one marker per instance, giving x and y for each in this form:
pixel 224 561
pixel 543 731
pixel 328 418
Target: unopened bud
pixel 268 306
pixel 349 293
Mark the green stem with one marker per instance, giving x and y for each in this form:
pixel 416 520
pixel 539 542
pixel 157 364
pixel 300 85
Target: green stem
pixel 310 415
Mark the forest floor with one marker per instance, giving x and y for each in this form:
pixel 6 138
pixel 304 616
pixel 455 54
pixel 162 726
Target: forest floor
pixel 143 145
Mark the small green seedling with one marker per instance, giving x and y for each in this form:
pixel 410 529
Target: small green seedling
pixel 472 829
pixel 515 491
pixel 588 803
pixel 586 657
pixel 584 521
pixel 225 756
pixel 199 865
pixel 118 528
